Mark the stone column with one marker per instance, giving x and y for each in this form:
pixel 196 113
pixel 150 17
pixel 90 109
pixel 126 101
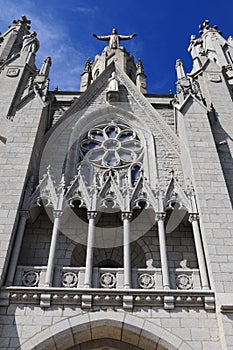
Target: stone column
pixel 50 266
pixel 90 248
pixel 24 215
pixel 193 218
pixel 160 217
pixel 126 217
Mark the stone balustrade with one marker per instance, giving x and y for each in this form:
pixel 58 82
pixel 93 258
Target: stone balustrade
pixel 108 278
pixel 108 288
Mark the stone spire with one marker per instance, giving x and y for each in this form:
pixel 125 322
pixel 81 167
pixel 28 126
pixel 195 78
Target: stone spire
pixel 210 45
pixel 12 40
pixel 141 77
pixel 86 76
pixel 180 70
pixel 45 68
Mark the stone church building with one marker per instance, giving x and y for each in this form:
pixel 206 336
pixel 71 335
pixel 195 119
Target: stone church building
pixel 116 205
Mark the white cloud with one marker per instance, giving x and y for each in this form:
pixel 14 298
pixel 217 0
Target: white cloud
pixel 67 61
pixel 84 10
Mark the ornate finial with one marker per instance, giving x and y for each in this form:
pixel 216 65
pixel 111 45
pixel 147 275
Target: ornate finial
pixel 141 77
pixel 88 65
pixel 180 69
pixel 62 184
pixel 206 26
pixel 179 63
pixel 46 66
pixel 139 64
pixel 24 21
pixel 140 68
pixel 230 40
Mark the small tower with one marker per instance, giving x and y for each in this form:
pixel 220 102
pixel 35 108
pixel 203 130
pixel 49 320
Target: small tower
pixel 86 76
pixel 11 40
pixel 24 117
pixel 141 77
pixel 122 58
pixel 213 73
pixel 114 52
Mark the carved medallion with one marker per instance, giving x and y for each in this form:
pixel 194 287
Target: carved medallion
pixel 107 280
pixel 146 281
pixel 184 281
pixel 31 279
pixel 69 280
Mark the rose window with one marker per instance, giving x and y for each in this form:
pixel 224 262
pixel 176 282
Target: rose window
pixel 112 145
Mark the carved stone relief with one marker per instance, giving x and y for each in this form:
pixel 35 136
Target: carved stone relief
pixel 69 280
pixel 31 279
pixel 108 280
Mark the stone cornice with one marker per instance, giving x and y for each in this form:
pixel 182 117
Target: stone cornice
pixel 87 298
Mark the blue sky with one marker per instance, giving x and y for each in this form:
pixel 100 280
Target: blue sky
pixel 163 30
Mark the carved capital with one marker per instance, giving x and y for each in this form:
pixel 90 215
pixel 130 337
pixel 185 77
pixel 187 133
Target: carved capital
pixel 160 216
pixel 57 213
pixel 127 215
pixel 193 217
pixel 91 215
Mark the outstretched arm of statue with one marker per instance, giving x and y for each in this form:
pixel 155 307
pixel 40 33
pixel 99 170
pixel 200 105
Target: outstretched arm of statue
pixel 127 37
pixel 102 37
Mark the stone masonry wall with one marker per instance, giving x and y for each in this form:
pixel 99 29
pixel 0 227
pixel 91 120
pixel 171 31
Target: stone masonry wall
pixel 213 202
pixel 21 322
pixel 15 156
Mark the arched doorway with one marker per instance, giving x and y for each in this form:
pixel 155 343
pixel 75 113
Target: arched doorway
pixel 98 330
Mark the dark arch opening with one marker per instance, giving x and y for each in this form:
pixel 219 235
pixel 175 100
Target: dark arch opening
pixel 105 344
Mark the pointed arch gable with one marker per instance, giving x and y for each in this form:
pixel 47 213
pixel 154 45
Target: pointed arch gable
pixel 99 325
pixel 150 114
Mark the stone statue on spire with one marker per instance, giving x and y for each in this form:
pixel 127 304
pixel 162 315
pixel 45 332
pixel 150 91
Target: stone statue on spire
pixel 30 43
pixel 114 38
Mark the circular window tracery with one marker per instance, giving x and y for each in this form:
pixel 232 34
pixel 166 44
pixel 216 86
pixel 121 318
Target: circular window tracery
pixel 111 145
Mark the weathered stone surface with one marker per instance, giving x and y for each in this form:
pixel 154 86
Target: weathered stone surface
pixel 61 180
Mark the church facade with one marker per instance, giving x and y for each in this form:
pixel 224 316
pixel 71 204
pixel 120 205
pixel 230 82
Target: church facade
pixel 116 205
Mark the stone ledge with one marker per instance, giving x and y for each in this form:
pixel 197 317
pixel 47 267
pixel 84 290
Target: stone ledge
pixel 128 299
